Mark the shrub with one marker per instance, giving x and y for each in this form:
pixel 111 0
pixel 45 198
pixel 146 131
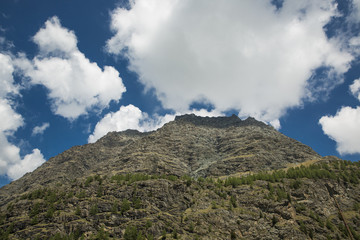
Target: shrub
pixel 99 179
pixel 125 206
pixel 35 210
pixel 311 233
pixel 101 235
pixel 34 220
pixel 51 196
pixel 281 194
pixel 329 225
pixel 93 210
pixel 88 181
pixel 50 212
pixel 81 194
pixel 174 234
pixel 274 220
pixel 148 224
pixel 136 203
pixel 114 207
pixel 233 201
pixel 296 184
pixel 300 207
pixel 303 227
pixel 356 206
pixel 131 233
pixel 10 207
pixel 99 191
pixel 191 227
pixel 77 211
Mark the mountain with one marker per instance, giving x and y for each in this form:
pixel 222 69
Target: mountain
pixel 194 178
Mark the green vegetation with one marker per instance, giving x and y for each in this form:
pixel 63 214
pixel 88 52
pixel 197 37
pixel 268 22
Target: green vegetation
pixel 34 210
pixel 77 211
pixel 81 194
pixel 125 206
pixel 107 198
pixel 88 181
pixel 50 212
pixel 300 207
pixel 100 191
pixel 303 227
pixel 274 220
pixel 101 235
pixel 233 201
pixel 132 233
pixel 93 210
pixel 174 234
pixel 136 203
pixel 350 173
pixel 114 207
pixel 148 224
pixel 329 225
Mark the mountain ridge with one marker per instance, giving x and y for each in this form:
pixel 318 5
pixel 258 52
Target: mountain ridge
pixel 193 178
pixel 217 138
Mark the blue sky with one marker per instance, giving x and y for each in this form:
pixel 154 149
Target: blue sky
pixel 71 71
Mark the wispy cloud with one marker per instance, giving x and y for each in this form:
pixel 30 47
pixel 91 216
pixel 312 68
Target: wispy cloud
pixel 39 130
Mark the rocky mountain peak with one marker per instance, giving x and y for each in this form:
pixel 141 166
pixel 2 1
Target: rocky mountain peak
pixel 214 177
pixel 218 122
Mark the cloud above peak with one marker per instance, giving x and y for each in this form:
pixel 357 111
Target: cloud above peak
pixel 131 117
pixel 243 55
pixel 343 128
pixel 54 38
pixel 11 163
pixel 75 85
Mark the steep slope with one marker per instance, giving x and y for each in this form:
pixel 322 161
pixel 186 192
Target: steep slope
pixel 76 162
pixel 194 178
pixel 190 145
pixel 211 147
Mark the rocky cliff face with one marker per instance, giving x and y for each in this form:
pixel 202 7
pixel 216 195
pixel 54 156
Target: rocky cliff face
pixel 205 178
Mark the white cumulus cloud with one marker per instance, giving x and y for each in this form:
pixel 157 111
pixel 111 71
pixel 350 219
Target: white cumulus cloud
pixel 38 130
pixel 127 117
pixel 11 163
pixel 344 129
pixel 6 77
pixel 10 120
pixel 28 163
pixel 76 85
pixel 131 117
pixel 53 38
pixel 243 55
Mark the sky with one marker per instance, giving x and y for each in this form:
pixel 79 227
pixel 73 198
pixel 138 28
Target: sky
pixel 71 71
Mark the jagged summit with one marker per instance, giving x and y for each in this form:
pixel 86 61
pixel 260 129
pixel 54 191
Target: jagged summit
pixel 218 122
